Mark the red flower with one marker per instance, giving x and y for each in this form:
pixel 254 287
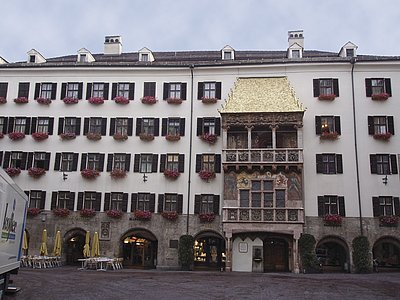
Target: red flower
pixel 149 100
pixel 69 100
pixel 206 217
pixel 146 136
pixel 113 213
pixel 120 137
pixel 381 96
pixel 209 138
pixel 3 100
pixel 382 136
pixel 206 175
pixel 61 212
pixel 327 97
pixel 209 100
pixel 121 100
pixel 329 135
pixel 93 136
pixel 143 215
pixel 21 100
pixel 45 101
pixel 13 171
pixel 333 220
pixel 117 173
pixel 171 174
pixel 96 100
pixel 40 136
pixel 87 213
pixel 389 220
pixel 67 136
pixel 36 172
pixel 16 135
pixel 174 100
pixel 89 173
pixel 33 211
pixel 172 137
pixel 170 215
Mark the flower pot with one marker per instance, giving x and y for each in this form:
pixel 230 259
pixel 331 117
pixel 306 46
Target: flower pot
pixel 33 211
pixel 67 136
pixel 113 213
pixel 149 100
pixel 121 100
pixel 36 172
pixel 87 213
pixel 174 100
pixel 143 215
pixel 40 136
pixel 146 137
pixel 117 173
pixel 44 101
pixel 96 100
pixel 120 137
pixel 206 217
pixel 328 136
pixel 206 175
pixel 13 171
pixel 21 100
pixel 15 136
pixel 170 215
pixel 328 97
pixel 380 97
pixel 89 173
pixel 61 212
pixel 93 136
pixel 68 100
pixel 3 100
pixel 171 174
pixel 209 100
pixel 209 138
pixel 383 136
pixel 172 137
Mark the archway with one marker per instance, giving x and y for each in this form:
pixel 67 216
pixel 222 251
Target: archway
pixel 209 251
pixel 139 248
pixel 276 255
pixel 333 254
pixel 74 241
pixel 386 251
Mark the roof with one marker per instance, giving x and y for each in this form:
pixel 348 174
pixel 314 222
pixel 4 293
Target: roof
pixel 253 95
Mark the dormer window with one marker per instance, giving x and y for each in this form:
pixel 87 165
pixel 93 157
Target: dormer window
pixel 349 52
pixel 228 53
pixel 82 58
pixel 32 58
pixel 145 57
pixel 295 53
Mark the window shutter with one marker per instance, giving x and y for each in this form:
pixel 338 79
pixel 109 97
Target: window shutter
pixel 6 162
pixel 125 202
pixel 53 200
pixel 37 90
pixel 106 91
pixel 3 89
pixel 149 89
pixel 101 162
pixel 83 161
pixel 183 91
pixel 218 126
pixel 80 90
pixel 198 163
pixel 23 89
pixel 136 163
pixel 42 199
pixel 393 163
pixel 373 164
pixel 197 202
pixel 103 126
pixel 28 124
pixel 217 166
pixel 23 160
pixel 216 205
pixel 181 163
pixel 127 162
pixel 71 201
pixel 33 125
pixel 1 157
pixel 130 126
pixel 107 201
pixel 152 204
pixel 376 206
pixel 368 87
pixel 371 127
pixel 112 126
pixel 396 203
pixel 179 204
pixel 160 208
pixel 320 168
pixel 53 90
pixel 138 126
pixel 133 201
pixel 97 205
pixel 316 87
pixel 390 122
pixel 156 127
pixel 339 164
pixel 388 87
pixel 114 90
pixel 154 163
pixel 342 209
pixel 75 162
pixel 337 125
pixel 317 125
pixel 218 90
pixel 63 90
pixel 199 126
pixel 5 125
pixel 11 124
pixel 321 206
pixel 165 91
pixel 78 126
pixel 51 126
pixel 182 127
pixel 164 126
pixel 336 87
pixel 57 162
pixel 110 159
pixel 88 91
pixel 85 126
pixel 131 91
pixel 28 164
pixel 163 160
pixel 200 90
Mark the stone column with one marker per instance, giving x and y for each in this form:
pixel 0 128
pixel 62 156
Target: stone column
pixel 228 251
pixel 273 128
pixel 249 128
pixel 296 237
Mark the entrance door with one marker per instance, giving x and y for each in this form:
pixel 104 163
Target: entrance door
pixel 74 248
pixel 276 255
pixel 209 253
pixel 139 252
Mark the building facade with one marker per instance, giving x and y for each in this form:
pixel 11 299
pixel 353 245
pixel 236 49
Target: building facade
pixel 244 150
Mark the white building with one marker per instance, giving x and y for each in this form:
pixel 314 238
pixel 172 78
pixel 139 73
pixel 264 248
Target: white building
pixel 265 145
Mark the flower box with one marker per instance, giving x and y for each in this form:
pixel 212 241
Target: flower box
pixel 36 172
pixel 171 174
pixel 93 136
pixel 121 100
pixel 170 215
pixel 383 136
pixel 96 100
pixel 143 215
pixel 146 136
pixel 89 173
pixel 13 171
pixel 117 173
pixel 3 100
pixel 333 220
pixel 389 221
pixel 209 100
pixel 174 100
pixel 33 211
pixel 68 100
pixel 40 136
pixel 87 213
pixel 328 136
pixel 120 137
pixel 67 136
pixel 206 175
pixel 44 101
pixel 172 137
pixel 209 138
pixel 113 213
pixel 21 100
pixel 206 217
pixel 149 100
pixel 380 97
pixel 16 135
pixel 61 212
pixel 328 97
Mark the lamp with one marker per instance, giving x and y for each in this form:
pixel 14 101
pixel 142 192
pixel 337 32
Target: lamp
pixel 385 180
pixel 44 217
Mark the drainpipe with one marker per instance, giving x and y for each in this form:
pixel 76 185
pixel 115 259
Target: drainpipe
pixel 190 148
pixel 353 63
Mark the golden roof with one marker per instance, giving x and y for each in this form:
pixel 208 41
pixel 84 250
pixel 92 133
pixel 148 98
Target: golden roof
pixel 254 95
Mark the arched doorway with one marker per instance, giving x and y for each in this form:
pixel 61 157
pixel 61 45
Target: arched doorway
pixel 276 255
pixel 209 251
pixel 386 251
pixel 139 249
pixel 332 254
pixel 74 240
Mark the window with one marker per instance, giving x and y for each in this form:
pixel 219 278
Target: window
pixel 175 90
pixel 146 163
pixel 349 52
pixel 327 124
pixel 331 205
pixel 82 58
pixel 37 199
pixel 208 125
pixel 3 124
pixel 149 89
pixel 227 55
pixel 95 125
pixel 380 125
pixel 74 90
pixel 329 163
pixel 90 200
pixel 46 90
pixel 19 124
pixel 93 161
pixel 206 204
pixel 172 162
pixel 119 161
pixel 3 90
pixel 148 126
pixel 42 125
pixel 66 162
pixel 386 206
pixel 116 201
pixel 63 199
pixel 97 89
pixel 295 53
pixel 143 201
pixel 326 87
pixel 144 57
pixel 69 125
pixel 123 89
pixel 170 202
pixel 377 86
pixel 123 126
pixel 32 58
pixel 17 160
pixel 208 162
pixel 40 160
pixel 23 89
pixel 173 126
pixel 209 90
pixel 262 194
pixel 383 164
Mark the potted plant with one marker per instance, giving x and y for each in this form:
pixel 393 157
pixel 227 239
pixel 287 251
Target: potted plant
pixel 117 173
pixel 208 100
pixel 361 254
pixel 143 215
pixel 67 136
pixel 174 100
pixel 13 171
pixel 45 101
pixel 114 213
pixel 61 212
pixel 329 97
pixel 90 173
pixel 40 136
pixel 87 213
pixel 33 211
pixel 70 100
pixel 326 135
pixel 332 220
pixel 382 136
pixel 380 96
pixel 120 137
pixel 21 100
pixel 206 217
pixel 389 221
pixel 146 136
pixel 206 175
pixel 16 136
pixel 96 100
pixel 36 172
pixel 209 138
pixel 93 136
pixel 308 258
pixel 149 100
pixel 171 174
pixel 172 137
pixel 121 100
pixel 3 100
pixel 170 215
pixel 185 251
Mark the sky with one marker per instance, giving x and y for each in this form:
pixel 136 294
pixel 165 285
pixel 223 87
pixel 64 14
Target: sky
pixel 62 27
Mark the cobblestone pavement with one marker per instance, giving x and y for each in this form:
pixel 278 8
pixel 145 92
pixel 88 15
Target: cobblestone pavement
pixel 70 283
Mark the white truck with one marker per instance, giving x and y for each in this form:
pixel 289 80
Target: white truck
pixel 13 208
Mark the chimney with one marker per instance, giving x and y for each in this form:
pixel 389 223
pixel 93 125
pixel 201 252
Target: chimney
pixel 296 36
pixel 113 45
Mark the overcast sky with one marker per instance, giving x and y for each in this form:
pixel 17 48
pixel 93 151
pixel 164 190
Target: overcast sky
pixel 61 27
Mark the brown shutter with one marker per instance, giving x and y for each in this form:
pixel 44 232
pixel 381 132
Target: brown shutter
pixel 85 125
pixel 337 125
pixel 388 87
pixel 78 126
pixel 88 91
pixel 393 164
pixel 164 125
pixel 317 125
pixel 57 162
pixel 138 126
pixel 130 126
pixel 320 166
pixel 83 161
pixel 28 124
pixel 182 127
pixel 127 162
pixel 199 126
pixel 53 90
pixel 112 126
pixel 23 89
pixel 6 162
pixel 181 163
pixel 37 90
pixel 165 91
pixel 75 162
pixel 110 162
pixel 154 163
pixel 373 164
pixel 217 167
pixel 134 197
pixel 103 126
pixel 316 87
pixel 54 196
pixel 371 127
pixel 132 91
pixel 321 206
pixel 218 126
pixel 163 160
pixel 101 162
pixel 152 204
pixel 156 127
pixel 216 205
pixel 80 90
pixel 136 163
pixel 198 162
pixel 63 90
pixel 51 126
pixel 197 202
pixel 179 204
pixel 336 87
pixel 218 90
pixel 339 164
pixel 106 91
pixel 200 90
pixel 160 208
pixel 97 205
pixel 396 203
pixel 71 201
pixel 114 90
pixel 125 202
pixel 33 125
pixel 368 87
pixel 390 124
pixel 183 91
pixel 107 201
pixel 342 209
pixel 376 206
pixel 42 199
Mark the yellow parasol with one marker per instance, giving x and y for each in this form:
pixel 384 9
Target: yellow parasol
pixel 95 245
pixel 57 244
pixel 43 247
pixel 25 243
pixel 86 248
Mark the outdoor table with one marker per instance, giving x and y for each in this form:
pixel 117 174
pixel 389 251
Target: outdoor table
pixel 102 260
pixel 83 260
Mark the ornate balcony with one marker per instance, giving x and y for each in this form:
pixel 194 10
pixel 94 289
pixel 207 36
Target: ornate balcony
pixel 263 215
pixel 276 156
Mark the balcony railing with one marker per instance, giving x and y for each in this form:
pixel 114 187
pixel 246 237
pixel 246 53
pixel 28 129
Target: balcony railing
pixel 287 155
pixel 263 215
